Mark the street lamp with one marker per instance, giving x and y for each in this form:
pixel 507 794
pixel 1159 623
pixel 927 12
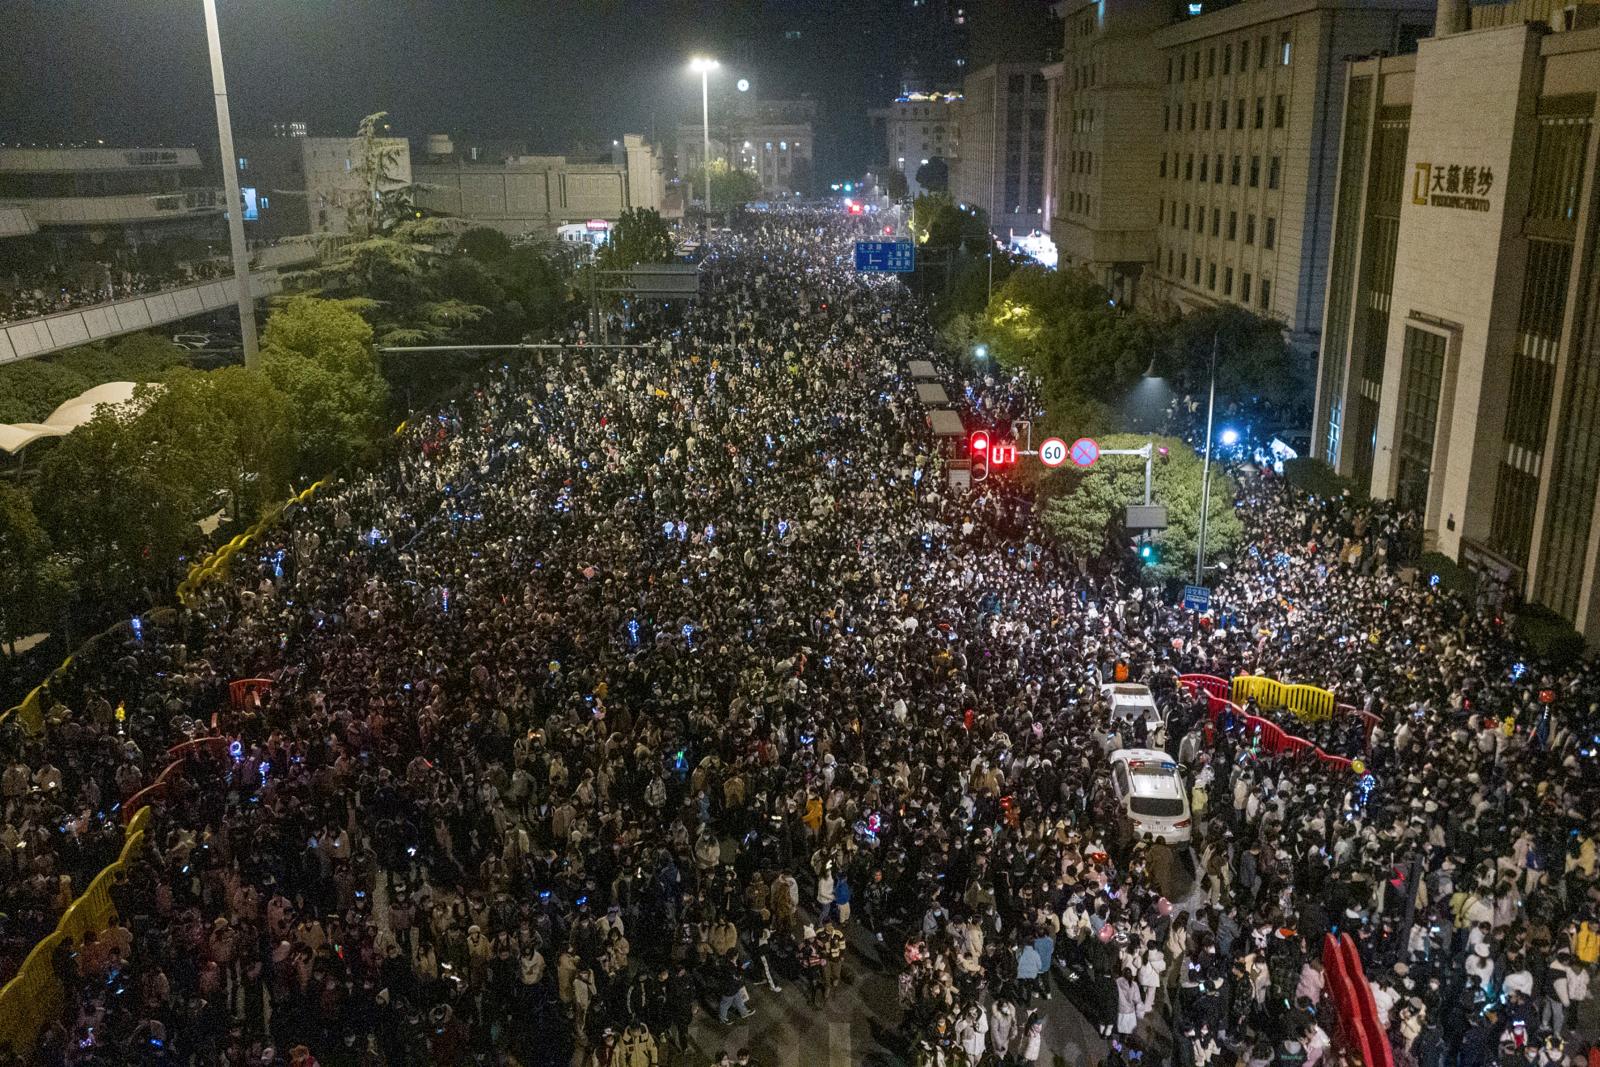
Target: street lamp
pixel 1205 474
pixel 1230 437
pixel 703 66
pixel 230 188
pixel 980 352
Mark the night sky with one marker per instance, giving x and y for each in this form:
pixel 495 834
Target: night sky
pixel 553 74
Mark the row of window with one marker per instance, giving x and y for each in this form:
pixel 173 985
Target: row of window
pixel 1181 68
pixel 1082 163
pixel 1079 202
pixel 1086 75
pixel 1212 171
pixel 1201 111
pixel 1191 270
pixel 1197 214
pixel 1083 120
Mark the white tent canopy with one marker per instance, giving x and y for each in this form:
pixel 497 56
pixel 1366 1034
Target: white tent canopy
pixel 66 418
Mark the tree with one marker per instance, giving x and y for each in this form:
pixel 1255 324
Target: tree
pixel 1086 512
pixel 24 548
pixel 318 353
pixel 895 186
pixel 939 224
pixel 379 198
pixel 391 279
pixel 1061 327
pixel 259 445
pixel 1253 362
pixel 730 187
pixel 934 175
pixel 119 506
pixel 640 236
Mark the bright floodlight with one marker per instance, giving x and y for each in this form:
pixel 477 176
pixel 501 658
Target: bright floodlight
pixel 1230 437
pixel 744 85
pixel 703 64
pixel 981 351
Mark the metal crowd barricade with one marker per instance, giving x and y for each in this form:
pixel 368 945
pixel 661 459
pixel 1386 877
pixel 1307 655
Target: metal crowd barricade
pixel 34 996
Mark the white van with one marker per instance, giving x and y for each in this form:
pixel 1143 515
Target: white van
pixel 1131 702
pixel 1151 795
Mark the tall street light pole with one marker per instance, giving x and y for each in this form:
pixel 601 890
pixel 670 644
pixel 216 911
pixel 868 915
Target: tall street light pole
pixel 230 188
pixel 705 66
pixel 1205 474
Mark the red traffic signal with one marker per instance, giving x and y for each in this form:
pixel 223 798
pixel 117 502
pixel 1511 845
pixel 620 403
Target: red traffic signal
pixel 979 442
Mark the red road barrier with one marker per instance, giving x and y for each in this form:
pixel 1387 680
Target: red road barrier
pixel 1273 737
pixel 1356 1011
pixel 179 754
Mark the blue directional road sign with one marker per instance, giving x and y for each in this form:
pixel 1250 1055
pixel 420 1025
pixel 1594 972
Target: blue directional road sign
pixel 1196 598
pixel 886 257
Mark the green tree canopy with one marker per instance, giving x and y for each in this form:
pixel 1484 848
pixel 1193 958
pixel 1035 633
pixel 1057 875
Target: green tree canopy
pixel 730 186
pixel 318 354
pixel 1085 510
pixel 1061 327
pixel 895 185
pixel 1253 358
pixel 24 548
pixel 641 235
pixel 934 175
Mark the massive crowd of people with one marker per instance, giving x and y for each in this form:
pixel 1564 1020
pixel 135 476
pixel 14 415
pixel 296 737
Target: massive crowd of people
pixel 32 297
pixel 643 684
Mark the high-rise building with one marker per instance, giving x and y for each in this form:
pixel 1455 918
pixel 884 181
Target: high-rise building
pixel 1003 120
pixel 1460 365
pixel 1199 148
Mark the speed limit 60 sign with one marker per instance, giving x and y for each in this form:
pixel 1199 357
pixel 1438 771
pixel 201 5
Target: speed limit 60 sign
pixel 1053 452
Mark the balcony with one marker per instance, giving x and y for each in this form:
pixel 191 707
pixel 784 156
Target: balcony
pixel 137 207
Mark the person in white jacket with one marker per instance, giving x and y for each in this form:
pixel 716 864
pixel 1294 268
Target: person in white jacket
pixel 972 1033
pixel 1569 986
pixel 1129 1000
pixel 1155 964
pixel 1032 1041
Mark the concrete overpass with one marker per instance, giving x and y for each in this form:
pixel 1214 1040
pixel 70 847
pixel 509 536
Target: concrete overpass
pixel 27 338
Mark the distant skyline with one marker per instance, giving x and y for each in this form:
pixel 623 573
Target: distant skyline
pixel 553 74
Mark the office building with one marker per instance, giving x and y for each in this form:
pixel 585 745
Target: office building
pixel 538 194
pixel 773 138
pixel 1003 122
pixel 1460 370
pixel 919 126
pixel 1199 149
pixel 131 195
pixel 295 184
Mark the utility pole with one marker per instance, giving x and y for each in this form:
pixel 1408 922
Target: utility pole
pixel 1205 474
pixel 230 188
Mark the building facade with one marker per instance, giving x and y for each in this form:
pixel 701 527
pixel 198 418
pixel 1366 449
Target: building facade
pixel 1004 124
pixel 1105 141
pixel 1200 150
pixel 294 184
pixel 773 138
pixel 1460 372
pixel 135 195
pixel 537 194
pixel 919 126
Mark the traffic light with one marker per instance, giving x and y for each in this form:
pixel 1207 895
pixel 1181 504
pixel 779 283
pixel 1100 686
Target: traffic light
pixel 1149 554
pixel 978 448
